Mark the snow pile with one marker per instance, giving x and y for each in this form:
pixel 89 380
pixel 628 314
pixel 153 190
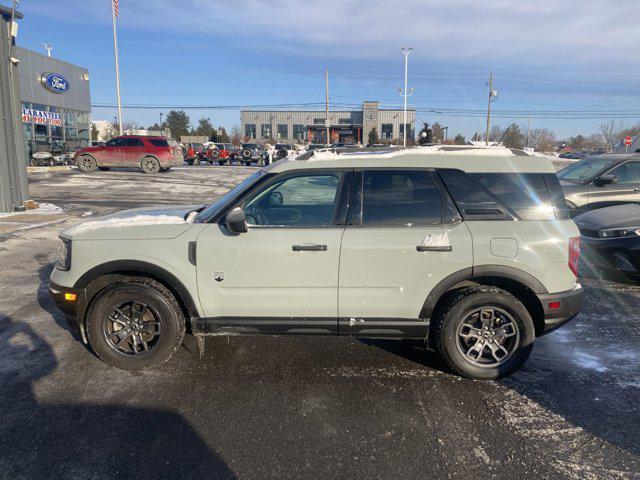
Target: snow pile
pixel 126 222
pixel 436 240
pixel 43 209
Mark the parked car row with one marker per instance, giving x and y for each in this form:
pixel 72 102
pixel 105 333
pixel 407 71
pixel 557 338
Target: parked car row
pixel 603 196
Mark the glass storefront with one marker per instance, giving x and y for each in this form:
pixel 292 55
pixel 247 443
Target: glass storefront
pixel 73 131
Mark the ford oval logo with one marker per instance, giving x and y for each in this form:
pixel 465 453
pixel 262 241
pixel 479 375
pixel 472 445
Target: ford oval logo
pixel 55 82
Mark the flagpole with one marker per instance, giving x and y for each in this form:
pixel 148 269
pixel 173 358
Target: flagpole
pixel 115 52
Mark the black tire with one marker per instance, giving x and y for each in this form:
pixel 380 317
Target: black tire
pixel 452 317
pixel 159 305
pixel 165 169
pixel 189 162
pixel 87 164
pixel 104 169
pixel 150 165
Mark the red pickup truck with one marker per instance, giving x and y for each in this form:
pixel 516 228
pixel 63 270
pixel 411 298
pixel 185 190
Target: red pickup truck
pixel 151 154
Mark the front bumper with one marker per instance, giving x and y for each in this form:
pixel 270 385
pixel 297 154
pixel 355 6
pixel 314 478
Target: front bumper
pixel 73 309
pixel 570 303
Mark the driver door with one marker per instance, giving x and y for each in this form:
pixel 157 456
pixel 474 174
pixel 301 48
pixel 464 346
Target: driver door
pixel 625 190
pixel 111 153
pixel 281 276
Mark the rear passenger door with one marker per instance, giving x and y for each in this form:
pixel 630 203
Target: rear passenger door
pixel 403 236
pixel 132 152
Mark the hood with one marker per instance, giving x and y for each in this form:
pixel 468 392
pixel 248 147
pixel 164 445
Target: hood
pixel 610 217
pixel 136 224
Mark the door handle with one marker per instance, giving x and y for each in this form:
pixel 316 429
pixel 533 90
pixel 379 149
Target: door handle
pixel 309 248
pixel 426 248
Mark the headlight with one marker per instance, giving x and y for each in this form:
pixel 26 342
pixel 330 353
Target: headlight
pixel 620 232
pixel 64 254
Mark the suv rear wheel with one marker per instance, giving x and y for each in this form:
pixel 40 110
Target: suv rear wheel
pixel 483 332
pixel 150 165
pixel 87 163
pixel 136 324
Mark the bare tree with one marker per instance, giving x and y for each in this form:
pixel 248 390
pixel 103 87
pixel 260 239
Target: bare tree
pixel 543 140
pixel 610 134
pixel 236 137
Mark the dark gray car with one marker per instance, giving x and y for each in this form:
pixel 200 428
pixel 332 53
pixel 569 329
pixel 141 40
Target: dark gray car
pixel 601 181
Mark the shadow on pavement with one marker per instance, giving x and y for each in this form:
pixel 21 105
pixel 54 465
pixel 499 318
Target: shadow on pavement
pixel 73 440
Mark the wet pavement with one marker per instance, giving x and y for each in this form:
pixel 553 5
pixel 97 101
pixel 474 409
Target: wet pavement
pixel 297 407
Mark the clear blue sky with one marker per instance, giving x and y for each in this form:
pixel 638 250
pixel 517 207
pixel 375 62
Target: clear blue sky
pixel 572 56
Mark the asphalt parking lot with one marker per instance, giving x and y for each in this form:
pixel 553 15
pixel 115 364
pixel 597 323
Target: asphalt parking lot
pixel 297 407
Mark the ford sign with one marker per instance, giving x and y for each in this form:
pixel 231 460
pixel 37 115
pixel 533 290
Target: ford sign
pixel 55 82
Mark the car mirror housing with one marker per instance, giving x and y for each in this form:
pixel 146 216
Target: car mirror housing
pixel 236 221
pixel 605 180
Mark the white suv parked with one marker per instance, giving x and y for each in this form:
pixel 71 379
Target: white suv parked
pixel 469 250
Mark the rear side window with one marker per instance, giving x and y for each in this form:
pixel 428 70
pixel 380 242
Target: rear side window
pixel 400 198
pixel 134 142
pixel 159 142
pixel 497 195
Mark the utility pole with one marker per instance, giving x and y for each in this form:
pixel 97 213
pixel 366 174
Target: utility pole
pixel 326 121
pixel 161 129
pixel 114 13
pixel 406 51
pixel 526 142
pixel 492 94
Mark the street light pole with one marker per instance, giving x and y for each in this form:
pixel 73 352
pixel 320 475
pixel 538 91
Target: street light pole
pixel 115 52
pixel 406 52
pixel 161 129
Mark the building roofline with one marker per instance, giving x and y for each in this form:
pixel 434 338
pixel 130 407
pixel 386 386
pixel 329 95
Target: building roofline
pixel 6 13
pixel 33 52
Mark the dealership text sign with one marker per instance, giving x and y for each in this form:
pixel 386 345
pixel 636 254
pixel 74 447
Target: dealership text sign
pixel 41 117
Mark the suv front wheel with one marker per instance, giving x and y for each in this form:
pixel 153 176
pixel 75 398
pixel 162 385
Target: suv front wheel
pixel 483 332
pixel 135 324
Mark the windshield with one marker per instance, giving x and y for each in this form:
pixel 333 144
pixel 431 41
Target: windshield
pixel 221 202
pixel 584 169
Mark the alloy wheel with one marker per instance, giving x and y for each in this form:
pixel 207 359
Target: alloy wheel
pixel 488 337
pixel 132 328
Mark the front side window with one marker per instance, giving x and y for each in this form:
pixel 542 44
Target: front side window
pixel 302 201
pixel 402 198
pixel 627 173
pixel 116 142
pixel 584 169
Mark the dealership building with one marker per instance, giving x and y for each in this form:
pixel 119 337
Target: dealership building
pixel 56 104
pixel 297 126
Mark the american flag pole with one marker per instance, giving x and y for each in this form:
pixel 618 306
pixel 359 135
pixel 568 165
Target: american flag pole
pixel 115 13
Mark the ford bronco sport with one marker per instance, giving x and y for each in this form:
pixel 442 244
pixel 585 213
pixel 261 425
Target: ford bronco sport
pixel 471 251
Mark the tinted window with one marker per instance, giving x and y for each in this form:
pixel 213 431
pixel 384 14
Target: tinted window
pixel 158 142
pixel 300 201
pixel 133 142
pixel 584 169
pixel 627 173
pixel 400 198
pixel 115 142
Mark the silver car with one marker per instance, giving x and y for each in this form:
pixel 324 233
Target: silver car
pixel 601 181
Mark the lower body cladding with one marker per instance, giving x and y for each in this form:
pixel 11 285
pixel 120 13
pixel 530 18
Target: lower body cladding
pixel 612 257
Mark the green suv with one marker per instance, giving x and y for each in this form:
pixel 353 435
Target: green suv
pixel 471 251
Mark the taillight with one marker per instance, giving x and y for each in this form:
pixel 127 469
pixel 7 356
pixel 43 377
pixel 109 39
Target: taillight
pixel 574 254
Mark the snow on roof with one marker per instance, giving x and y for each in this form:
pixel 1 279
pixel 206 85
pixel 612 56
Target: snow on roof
pixel 466 150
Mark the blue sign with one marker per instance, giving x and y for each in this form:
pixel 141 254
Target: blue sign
pixel 55 82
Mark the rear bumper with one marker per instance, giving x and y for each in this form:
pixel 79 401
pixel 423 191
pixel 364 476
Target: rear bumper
pixel 570 305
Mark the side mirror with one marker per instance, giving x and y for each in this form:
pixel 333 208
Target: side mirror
pixel 236 221
pixel 605 180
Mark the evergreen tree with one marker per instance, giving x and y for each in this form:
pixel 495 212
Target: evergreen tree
pixel 94 132
pixel 459 139
pixel 438 133
pixel 425 136
pixel 205 129
pixel 373 136
pixel 476 137
pixel 178 123
pixel 513 138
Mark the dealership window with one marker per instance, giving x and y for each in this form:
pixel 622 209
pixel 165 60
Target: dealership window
pixel 250 130
pixel 319 121
pixel 265 131
pixel 344 121
pixel 409 130
pixel 299 132
pixel 70 130
pixel 386 132
pixel 283 131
